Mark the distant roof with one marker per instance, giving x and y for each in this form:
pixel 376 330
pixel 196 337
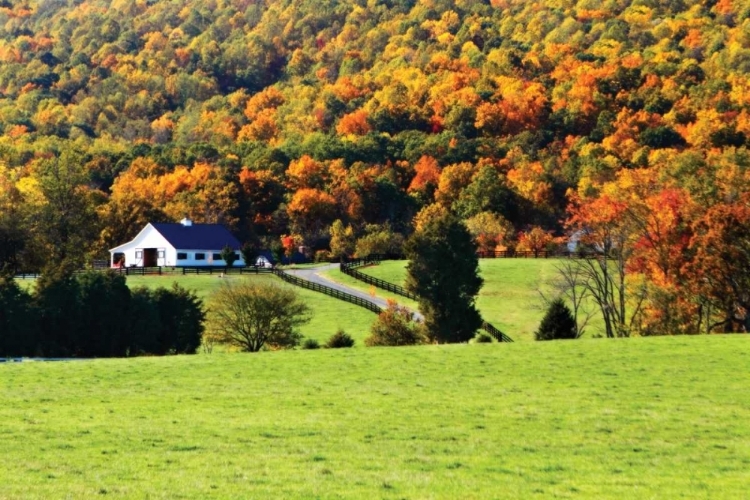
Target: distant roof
pixel 197 236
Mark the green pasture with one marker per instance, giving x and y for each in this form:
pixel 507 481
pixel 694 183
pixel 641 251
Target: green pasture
pixel 329 314
pixel 510 297
pixel 633 418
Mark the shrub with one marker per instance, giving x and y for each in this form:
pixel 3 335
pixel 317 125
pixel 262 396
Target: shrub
pixel 483 338
pixel 252 315
pixel 322 256
pixel 340 339
pixel 395 326
pixel 310 344
pixel 558 323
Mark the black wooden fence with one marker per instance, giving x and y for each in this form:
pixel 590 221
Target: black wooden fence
pixel 497 334
pixel 349 268
pixel 327 290
pixel 226 270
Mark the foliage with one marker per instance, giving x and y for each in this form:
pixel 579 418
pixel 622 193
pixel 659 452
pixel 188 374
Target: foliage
pixel 558 323
pixel 95 314
pixel 446 300
pixel 229 255
pixel 483 338
pixel 395 326
pixel 378 240
pixel 340 339
pixel 18 328
pixel 253 315
pixel 342 240
pixel 310 344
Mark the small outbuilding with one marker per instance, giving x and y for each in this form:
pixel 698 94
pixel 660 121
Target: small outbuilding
pixel 176 245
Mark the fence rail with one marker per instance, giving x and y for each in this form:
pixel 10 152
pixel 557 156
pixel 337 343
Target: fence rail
pixel 331 292
pixel 226 270
pixel 499 336
pixel 27 276
pixel 349 268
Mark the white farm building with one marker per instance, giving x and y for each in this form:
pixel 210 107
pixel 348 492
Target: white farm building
pixel 177 244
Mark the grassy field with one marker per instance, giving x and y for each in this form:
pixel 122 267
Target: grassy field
pixel 509 298
pixel 329 314
pixel 640 418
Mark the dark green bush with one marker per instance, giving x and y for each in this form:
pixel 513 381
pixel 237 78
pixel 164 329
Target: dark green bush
pixel 558 323
pixel 340 339
pixel 483 338
pixel 310 344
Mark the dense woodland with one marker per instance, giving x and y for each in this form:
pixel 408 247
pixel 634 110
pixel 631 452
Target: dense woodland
pixel 317 123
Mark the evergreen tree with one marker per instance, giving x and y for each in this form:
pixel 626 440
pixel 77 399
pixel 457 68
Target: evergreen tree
pixel 443 271
pixel 558 323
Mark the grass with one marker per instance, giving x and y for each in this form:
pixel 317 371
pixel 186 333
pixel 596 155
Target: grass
pixel 329 314
pixel 637 418
pixel 509 298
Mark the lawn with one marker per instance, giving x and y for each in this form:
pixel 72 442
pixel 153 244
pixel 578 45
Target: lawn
pixel 329 314
pixel 509 299
pixel 635 418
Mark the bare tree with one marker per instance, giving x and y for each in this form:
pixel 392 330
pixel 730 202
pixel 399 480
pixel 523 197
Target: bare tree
pixel 568 284
pixel 600 275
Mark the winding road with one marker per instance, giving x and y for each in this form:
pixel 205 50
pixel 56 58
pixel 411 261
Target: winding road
pixel 314 274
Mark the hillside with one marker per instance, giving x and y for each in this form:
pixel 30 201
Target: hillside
pixel 279 118
pixel 597 419
pixel 208 106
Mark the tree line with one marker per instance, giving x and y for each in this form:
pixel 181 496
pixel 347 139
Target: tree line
pixel 95 314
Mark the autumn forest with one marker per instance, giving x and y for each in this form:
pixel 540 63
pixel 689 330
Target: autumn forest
pixel 339 125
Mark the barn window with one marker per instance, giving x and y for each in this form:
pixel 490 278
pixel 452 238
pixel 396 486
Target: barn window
pixel 200 256
pixel 161 254
pixel 181 256
pixel 139 254
pixel 217 256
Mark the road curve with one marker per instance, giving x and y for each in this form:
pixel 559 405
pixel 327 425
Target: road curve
pixel 314 274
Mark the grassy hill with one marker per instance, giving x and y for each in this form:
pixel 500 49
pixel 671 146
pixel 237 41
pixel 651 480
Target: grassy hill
pixel 645 418
pixel 329 314
pixel 509 298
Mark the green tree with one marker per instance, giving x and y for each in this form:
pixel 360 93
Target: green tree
pixel 250 315
pixel 558 323
pixel 65 225
pixel 229 255
pixel 181 315
pixel 18 332
pixel 342 239
pixel 443 271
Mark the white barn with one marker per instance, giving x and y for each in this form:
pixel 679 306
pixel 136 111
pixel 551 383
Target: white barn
pixel 176 245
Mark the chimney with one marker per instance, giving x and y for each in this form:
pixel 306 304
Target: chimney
pixel 186 222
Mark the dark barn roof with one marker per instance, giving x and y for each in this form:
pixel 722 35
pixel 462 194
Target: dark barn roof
pixel 197 236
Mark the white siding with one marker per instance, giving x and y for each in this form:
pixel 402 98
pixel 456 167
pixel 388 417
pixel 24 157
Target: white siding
pixel 149 237
pixel 208 261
